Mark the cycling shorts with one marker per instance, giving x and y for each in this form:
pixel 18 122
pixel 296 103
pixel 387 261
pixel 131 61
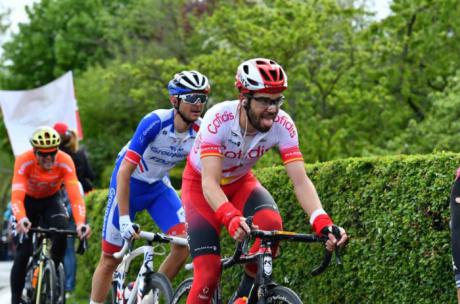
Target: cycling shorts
pixel 246 194
pixel 159 199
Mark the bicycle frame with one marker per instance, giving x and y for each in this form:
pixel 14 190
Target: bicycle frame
pixel 263 282
pixel 119 276
pixel 41 255
pixel 44 255
pixel 122 270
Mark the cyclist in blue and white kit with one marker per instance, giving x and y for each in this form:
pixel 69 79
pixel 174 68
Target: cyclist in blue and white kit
pixel 140 179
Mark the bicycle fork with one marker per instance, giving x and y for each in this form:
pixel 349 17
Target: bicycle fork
pixel 263 279
pixel 40 271
pixel 138 290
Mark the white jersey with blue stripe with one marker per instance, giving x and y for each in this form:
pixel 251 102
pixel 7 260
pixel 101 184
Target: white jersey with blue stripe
pixel 155 148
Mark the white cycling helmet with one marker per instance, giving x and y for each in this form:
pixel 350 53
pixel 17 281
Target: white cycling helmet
pixel 260 75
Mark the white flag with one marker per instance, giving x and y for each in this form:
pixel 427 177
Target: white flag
pixel 24 111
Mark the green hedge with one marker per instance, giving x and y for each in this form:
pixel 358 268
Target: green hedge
pixel 396 210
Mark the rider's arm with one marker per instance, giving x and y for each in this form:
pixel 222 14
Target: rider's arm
pixel 304 189
pixel 124 175
pixel 210 182
pixel 146 132
pixel 73 191
pixel 18 188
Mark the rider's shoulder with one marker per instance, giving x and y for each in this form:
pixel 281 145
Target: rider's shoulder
pixel 229 106
pixel 25 156
pixel 158 114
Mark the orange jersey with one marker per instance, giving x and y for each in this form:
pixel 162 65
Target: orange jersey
pixel 29 178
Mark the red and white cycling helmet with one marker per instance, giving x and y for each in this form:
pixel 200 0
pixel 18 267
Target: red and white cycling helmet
pixel 260 75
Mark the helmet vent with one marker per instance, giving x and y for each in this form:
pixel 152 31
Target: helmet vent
pixel 196 78
pixel 253 82
pixel 264 74
pixel 262 62
pixel 246 69
pixel 274 74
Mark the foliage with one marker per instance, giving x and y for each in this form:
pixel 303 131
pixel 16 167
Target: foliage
pixel 396 210
pixel 440 129
pixel 356 87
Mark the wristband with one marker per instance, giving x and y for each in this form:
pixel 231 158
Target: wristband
pixel 320 221
pixel 226 212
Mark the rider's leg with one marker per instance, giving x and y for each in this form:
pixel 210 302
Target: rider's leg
pixel 260 204
pixel 167 212
pixel 455 232
pixel 175 260
pixel 206 273
pixel 18 272
pixel 56 216
pixel 102 277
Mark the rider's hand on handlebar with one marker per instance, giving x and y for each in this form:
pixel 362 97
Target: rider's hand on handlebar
pixel 232 218
pixel 23 225
pixel 83 231
pixel 337 237
pixel 127 228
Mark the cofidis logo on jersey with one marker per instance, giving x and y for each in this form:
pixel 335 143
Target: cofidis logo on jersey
pixel 287 123
pixel 218 120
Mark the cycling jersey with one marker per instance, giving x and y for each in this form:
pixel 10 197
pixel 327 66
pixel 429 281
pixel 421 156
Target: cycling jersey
pixel 155 148
pixel 31 180
pixel 221 135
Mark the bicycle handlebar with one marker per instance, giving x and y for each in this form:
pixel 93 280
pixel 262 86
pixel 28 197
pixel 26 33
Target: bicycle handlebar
pixel 151 237
pixel 275 235
pixel 48 232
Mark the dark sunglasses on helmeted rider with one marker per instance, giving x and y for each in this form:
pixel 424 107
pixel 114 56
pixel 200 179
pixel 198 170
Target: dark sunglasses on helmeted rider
pixel 46 154
pixel 194 98
pixel 268 102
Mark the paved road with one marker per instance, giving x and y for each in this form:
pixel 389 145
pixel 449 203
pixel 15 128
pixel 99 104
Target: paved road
pixel 5 268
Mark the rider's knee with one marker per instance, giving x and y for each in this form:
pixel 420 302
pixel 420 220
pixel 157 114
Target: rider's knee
pixel 268 219
pixel 108 263
pixel 180 253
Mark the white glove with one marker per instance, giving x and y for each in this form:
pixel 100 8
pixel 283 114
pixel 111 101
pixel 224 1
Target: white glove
pixel 23 225
pixel 126 228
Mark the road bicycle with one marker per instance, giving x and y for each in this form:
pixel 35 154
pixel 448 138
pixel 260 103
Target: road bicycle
pixel 264 289
pixel 150 286
pixel 44 282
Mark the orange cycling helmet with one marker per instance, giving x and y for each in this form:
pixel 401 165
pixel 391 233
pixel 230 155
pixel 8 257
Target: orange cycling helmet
pixel 45 138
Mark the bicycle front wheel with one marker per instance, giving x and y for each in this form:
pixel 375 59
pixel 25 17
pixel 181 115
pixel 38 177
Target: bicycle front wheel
pixel 47 292
pixel 281 294
pixel 60 285
pixel 158 289
pixel 182 291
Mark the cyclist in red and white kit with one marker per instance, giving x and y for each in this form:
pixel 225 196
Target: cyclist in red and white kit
pixel 218 186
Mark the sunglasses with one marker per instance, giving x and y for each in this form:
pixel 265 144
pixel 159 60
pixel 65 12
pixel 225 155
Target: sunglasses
pixel 268 102
pixel 46 154
pixel 194 98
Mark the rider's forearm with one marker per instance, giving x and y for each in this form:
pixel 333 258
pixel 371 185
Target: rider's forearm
pixel 308 197
pixel 76 201
pixel 17 204
pixel 213 193
pixel 123 192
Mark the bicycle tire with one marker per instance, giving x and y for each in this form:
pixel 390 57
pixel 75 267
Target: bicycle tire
pixel 182 291
pixel 158 289
pixel 281 294
pixel 60 286
pixel 48 288
pixel 28 293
